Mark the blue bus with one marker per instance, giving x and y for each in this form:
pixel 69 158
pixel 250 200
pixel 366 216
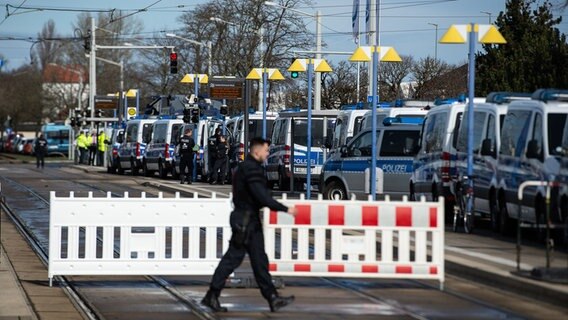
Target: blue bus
pixel 57 136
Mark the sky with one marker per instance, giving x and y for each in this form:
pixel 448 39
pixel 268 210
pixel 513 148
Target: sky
pixel 406 25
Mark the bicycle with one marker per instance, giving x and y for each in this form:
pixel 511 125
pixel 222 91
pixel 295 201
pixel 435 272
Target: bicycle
pixel 464 207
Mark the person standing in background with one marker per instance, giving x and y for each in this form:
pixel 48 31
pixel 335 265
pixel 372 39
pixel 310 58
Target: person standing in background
pixel 40 150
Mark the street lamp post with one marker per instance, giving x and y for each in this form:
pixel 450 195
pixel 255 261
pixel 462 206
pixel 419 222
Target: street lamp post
pixel 317 17
pixel 202 44
pixel 435 40
pixel 488 14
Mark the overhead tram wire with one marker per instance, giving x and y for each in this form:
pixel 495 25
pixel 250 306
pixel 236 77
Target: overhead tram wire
pixel 8 12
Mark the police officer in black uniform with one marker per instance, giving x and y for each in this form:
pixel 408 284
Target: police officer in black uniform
pixel 220 162
pixel 250 194
pixel 185 151
pixel 40 149
pixel 212 152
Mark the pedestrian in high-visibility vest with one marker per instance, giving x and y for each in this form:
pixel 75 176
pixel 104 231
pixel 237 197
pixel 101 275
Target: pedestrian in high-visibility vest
pixel 82 146
pixel 102 147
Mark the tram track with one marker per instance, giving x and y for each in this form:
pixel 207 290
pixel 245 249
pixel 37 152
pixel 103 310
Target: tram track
pixel 335 282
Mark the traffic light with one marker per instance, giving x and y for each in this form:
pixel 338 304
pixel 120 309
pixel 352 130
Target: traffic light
pixel 87 43
pixel 195 115
pixel 173 63
pixel 72 121
pixel 294 74
pixel 186 115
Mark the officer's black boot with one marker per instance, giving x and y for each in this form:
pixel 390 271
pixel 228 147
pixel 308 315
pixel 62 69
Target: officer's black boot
pixel 181 176
pixel 212 301
pixel 276 302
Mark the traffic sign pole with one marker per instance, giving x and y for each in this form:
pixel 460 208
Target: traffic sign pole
pixel 470 114
pixel 309 133
pixel 264 105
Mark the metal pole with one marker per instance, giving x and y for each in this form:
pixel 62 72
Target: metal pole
pixel 264 86
pixel 371 42
pixel 137 101
pixel 92 72
pixel 196 90
pixel 436 44
pixel 358 80
pixel 248 102
pixel 309 130
pixel 261 84
pixel 470 114
pixel 317 98
pixel 375 94
pixel 120 101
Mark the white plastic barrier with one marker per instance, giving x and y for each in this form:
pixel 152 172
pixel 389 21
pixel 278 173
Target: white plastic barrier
pixel 154 236
pixel 362 239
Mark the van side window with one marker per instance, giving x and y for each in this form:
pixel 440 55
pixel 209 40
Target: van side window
pixel 457 126
pixel 275 132
pixel 147 132
pixel 435 132
pixel 132 133
pixel 558 143
pixel 357 125
pixel 175 133
pixel 160 132
pixel 537 134
pixel 478 130
pixel 491 132
pixel 399 143
pixel 514 132
pixel 337 133
pixel 361 147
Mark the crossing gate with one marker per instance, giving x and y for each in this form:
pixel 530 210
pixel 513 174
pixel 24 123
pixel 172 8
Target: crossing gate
pixel 137 236
pixel 362 239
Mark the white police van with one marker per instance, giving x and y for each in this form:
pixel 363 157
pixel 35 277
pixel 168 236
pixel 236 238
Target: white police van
pixel 532 148
pixel 159 155
pixel 116 138
pixel 347 124
pixel 288 150
pixel 409 113
pixel 255 130
pixel 434 164
pixel 205 129
pixel 488 121
pixel 137 135
pixel 348 171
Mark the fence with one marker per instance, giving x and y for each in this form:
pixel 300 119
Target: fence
pixel 137 236
pixel 187 236
pixel 364 239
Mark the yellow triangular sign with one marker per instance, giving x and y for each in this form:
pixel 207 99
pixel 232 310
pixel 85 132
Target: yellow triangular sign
pixel 297 66
pixel 276 75
pixel 203 78
pixel 253 75
pixel 391 56
pixel 323 67
pixel 453 35
pixel 360 55
pixel 186 79
pixel 493 36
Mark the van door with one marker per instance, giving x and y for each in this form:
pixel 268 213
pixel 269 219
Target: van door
pixel 395 153
pixel 356 161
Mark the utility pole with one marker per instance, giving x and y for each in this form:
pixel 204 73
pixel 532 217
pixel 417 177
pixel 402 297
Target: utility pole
pixel 317 99
pixel 435 40
pixel 92 72
pixel 371 40
pixel 260 83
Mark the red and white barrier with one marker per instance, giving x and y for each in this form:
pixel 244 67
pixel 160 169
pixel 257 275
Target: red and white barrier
pixel 363 239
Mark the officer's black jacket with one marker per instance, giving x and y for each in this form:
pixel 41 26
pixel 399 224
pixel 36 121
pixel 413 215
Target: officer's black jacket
pixel 250 192
pixel 186 145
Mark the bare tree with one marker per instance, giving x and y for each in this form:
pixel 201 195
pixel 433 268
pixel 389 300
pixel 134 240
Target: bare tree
pixel 423 72
pixel 47 47
pixel 391 75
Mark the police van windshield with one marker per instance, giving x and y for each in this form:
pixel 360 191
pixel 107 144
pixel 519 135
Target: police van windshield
pixel 175 133
pixel 255 127
pixel 160 132
pixel 558 143
pixel 301 131
pixel 399 143
pixel 514 132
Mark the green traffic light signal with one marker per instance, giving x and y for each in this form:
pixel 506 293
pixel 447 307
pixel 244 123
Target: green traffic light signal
pixel 294 74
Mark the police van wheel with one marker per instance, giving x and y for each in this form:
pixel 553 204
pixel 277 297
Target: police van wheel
pixel 335 189
pixel 161 170
pixel 505 223
pixel 119 167
pixel 133 169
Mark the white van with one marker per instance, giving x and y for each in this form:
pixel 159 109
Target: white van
pixel 348 171
pixel 116 137
pixel 289 147
pixel 255 130
pixel 137 135
pixel 417 113
pixel 159 152
pixel 347 125
pixel 434 165
pixel 206 129
pixel 531 146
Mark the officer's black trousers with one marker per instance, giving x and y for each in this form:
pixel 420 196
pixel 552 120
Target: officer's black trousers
pixel 40 158
pixel 220 164
pixel 234 256
pixel 186 161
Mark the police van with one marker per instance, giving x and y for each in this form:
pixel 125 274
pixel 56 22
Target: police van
pixel 348 171
pixel 347 124
pixel 137 135
pixel 288 151
pixel 532 148
pixel 254 130
pixel 434 164
pixel 409 113
pixel 116 137
pixel 159 152
pixel 488 121
pixel 205 129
